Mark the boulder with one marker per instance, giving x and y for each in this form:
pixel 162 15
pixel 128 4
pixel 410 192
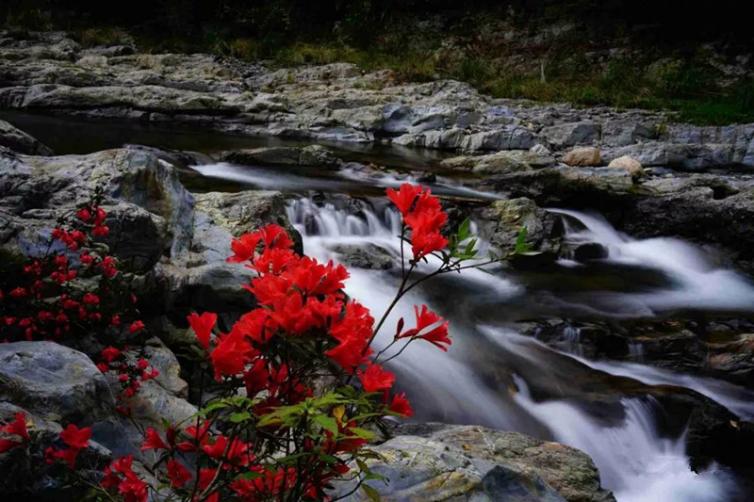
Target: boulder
pixel 18 141
pixel 368 256
pixel 312 155
pixel 201 278
pixel 571 134
pixel 150 210
pixel 628 164
pixel 55 382
pixel 502 221
pixel 452 462
pixel 500 162
pixel 583 156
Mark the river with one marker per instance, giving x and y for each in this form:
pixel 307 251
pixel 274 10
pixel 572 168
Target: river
pixel 493 375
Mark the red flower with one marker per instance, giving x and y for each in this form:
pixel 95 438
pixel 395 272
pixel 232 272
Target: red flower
pixel 153 441
pixel 275 236
pixel 437 335
pixel 375 378
pixel 244 247
pixel 230 356
pixel 401 406
pixel 75 437
pixel 18 292
pixel 84 214
pixel 202 326
pixel 404 197
pixel 101 231
pixel 17 427
pixel 68 455
pixel 177 473
pixel 8 444
pixel 91 299
pixel 110 354
pixel 135 327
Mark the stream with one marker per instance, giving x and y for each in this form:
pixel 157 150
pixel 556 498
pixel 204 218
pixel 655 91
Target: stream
pixel 493 375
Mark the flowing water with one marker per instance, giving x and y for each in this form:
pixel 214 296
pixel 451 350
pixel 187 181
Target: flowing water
pixel 635 459
pixel 493 375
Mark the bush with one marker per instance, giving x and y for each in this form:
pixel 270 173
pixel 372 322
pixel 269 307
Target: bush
pixel 297 389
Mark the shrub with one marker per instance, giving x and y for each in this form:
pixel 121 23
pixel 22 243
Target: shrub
pixel 297 390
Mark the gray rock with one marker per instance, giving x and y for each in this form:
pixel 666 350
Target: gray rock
pixel 312 155
pixel 55 382
pixel 18 141
pixel 447 462
pixel 201 279
pixel 572 134
pixel 367 256
pixel 502 221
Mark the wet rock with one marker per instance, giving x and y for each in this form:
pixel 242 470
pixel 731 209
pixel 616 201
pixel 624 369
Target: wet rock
pixel 20 142
pixel 312 155
pixel 367 256
pixel 503 220
pixel 583 156
pixel 55 382
pixel 590 251
pixel 444 462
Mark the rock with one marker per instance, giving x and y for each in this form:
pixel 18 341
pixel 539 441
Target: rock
pixel 502 483
pixel 500 162
pixel 502 221
pixel 149 209
pixel 590 251
pixel 20 142
pixel 583 156
pixel 572 134
pixel 26 475
pixel 312 155
pixel 628 164
pixel 55 382
pixel 201 279
pixel 451 462
pixel 335 102
pixel 368 256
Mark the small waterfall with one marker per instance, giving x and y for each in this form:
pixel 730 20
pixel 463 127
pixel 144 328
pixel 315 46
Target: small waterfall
pixel 698 283
pixel 634 459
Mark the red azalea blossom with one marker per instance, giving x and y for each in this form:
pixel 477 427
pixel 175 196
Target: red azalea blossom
pixel 17 427
pixel 153 441
pixel 202 326
pixel 75 437
pixel 376 378
pixel 177 474
pixel 135 327
pixel 401 406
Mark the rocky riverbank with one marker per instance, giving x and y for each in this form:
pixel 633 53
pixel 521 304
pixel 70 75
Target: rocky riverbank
pixel 648 176
pixel 175 243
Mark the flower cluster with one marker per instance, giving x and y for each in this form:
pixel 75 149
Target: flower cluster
pixel 424 215
pixel 76 289
pixel 297 388
pixel 75 440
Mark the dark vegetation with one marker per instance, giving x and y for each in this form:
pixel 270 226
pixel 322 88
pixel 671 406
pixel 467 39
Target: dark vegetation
pixel 659 54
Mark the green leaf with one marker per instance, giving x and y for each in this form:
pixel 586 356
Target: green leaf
pixel 370 492
pixel 239 416
pixel 464 230
pixel 327 423
pixel 362 433
pixel 521 245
